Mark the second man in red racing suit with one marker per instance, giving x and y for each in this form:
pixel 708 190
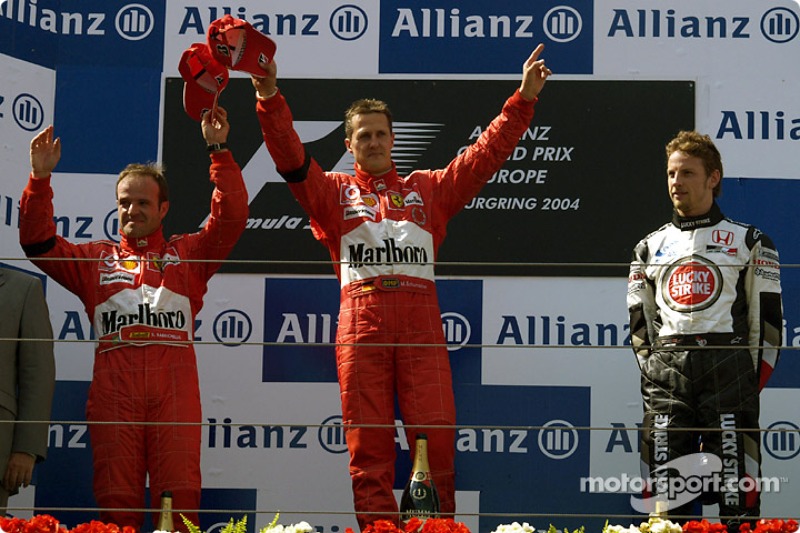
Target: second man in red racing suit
pixel 383 232
pixel 142 298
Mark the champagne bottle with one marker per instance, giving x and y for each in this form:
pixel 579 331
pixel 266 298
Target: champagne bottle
pixel 420 498
pixel 165 518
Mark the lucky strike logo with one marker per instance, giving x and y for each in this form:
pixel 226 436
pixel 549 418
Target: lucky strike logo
pixel 691 284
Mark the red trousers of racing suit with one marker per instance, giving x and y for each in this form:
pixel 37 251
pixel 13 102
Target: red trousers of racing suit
pixel 369 377
pixel 120 451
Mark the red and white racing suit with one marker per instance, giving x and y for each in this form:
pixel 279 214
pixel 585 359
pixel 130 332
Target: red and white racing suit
pixel 704 298
pixel 383 234
pixel 142 299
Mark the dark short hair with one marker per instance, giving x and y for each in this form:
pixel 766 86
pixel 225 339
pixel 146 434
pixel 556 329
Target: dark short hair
pixel 363 107
pixel 153 170
pixel 698 145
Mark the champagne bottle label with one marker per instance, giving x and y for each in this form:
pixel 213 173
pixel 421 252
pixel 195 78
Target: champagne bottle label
pixel 420 498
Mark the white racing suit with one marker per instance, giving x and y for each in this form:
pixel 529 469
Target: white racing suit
pixel 704 300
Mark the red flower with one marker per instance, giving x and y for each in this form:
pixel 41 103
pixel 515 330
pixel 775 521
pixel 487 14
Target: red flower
pixel 770 526
pixel 42 523
pixel 415 525
pixel 12 525
pixel 704 526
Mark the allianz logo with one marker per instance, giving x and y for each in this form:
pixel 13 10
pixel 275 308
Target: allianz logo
pixel 556 439
pixel 314 328
pixel 132 22
pixel 777 25
pixel 27 110
pixel 347 22
pixel 560 24
pixel 232 327
pixel 781 440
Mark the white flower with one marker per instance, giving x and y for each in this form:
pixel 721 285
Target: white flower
pixel 302 527
pixel 659 525
pixel 516 527
pixel 621 529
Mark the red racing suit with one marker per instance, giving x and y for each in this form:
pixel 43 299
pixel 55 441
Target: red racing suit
pixel 706 316
pixel 142 300
pixel 383 234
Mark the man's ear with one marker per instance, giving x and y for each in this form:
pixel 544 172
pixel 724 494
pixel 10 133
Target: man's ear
pixel 347 144
pixel 714 178
pixel 163 208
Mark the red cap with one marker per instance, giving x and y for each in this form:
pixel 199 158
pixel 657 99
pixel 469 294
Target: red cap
pixel 239 46
pixel 204 79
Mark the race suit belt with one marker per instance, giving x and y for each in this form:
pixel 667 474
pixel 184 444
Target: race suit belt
pixel 701 339
pixel 390 283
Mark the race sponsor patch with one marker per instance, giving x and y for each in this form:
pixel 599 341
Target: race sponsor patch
pixel 349 194
pixel 107 278
pixel 691 284
pixel 396 200
pixel 359 211
pixel 413 198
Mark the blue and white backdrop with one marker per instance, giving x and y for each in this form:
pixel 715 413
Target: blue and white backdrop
pixel 533 274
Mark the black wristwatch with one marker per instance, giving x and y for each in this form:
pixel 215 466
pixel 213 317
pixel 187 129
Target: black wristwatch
pixel 216 147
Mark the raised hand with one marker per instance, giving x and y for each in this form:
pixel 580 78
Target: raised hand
pixel 45 153
pixel 534 74
pixel 216 127
pixel 266 85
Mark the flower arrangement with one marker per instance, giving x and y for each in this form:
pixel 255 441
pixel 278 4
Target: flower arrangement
pixel 653 525
pixel 47 524
pixel 240 526
pixel 771 526
pixel 659 525
pixel 415 525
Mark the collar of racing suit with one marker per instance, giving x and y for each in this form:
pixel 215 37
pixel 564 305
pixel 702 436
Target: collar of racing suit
pixel 377 183
pixel 141 244
pixel 711 218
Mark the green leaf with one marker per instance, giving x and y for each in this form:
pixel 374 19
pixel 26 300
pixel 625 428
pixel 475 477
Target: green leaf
pixel 191 527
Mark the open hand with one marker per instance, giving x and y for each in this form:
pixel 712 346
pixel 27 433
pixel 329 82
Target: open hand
pixel 45 153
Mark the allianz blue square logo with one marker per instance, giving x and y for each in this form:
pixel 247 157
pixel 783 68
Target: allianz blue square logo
pixel 473 36
pixel 300 318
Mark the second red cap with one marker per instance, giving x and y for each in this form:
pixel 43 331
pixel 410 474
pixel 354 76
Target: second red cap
pixel 204 78
pixel 239 46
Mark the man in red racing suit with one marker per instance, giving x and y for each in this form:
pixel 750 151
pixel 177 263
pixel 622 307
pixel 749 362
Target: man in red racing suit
pixel 142 299
pixel 704 297
pixel 383 232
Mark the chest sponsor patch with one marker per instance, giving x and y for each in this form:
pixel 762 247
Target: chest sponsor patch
pixel 691 284
pixel 413 198
pixel 349 194
pixel 396 200
pixel 107 278
pixel 359 211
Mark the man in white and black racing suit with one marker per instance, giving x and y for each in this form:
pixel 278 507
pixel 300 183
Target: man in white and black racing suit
pixel 704 300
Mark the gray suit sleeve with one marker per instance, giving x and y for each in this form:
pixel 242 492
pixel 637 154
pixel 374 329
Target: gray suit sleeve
pixel 36 379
